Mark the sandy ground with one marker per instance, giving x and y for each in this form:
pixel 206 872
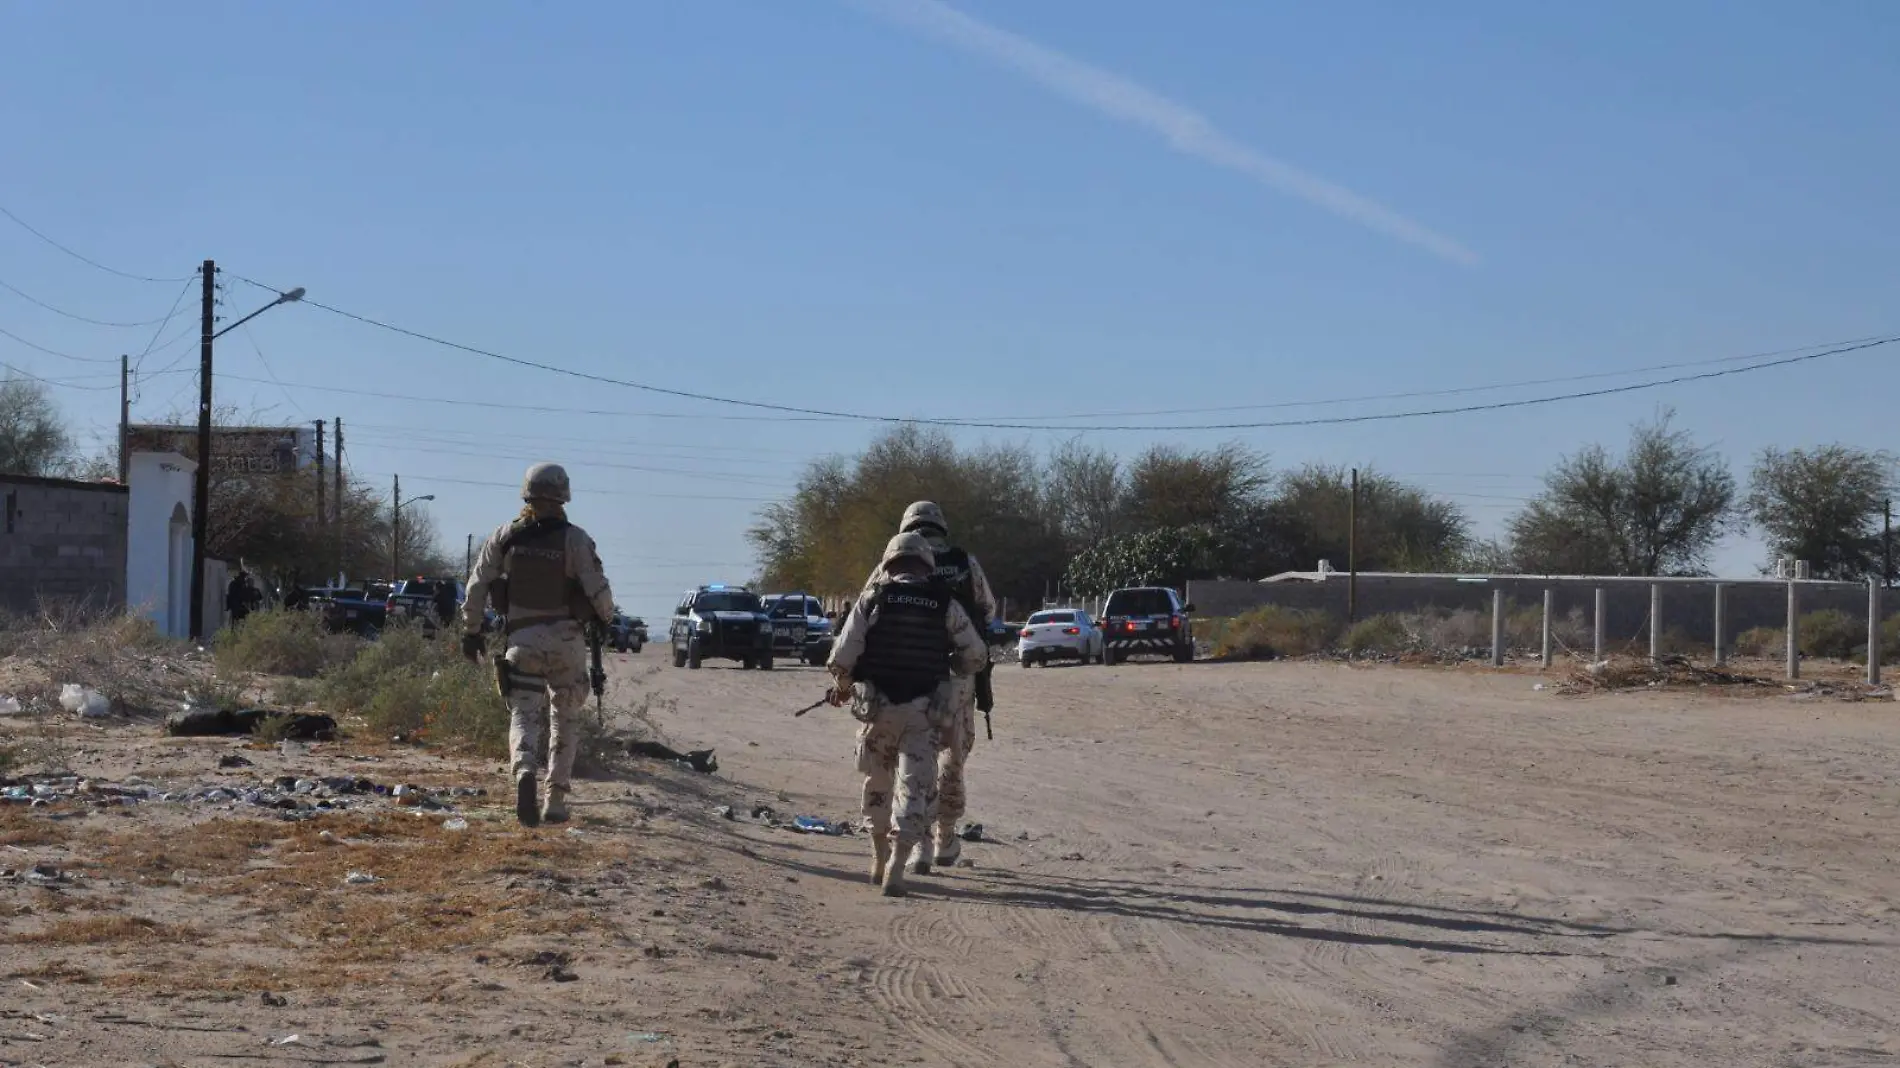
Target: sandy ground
pixel 1260 864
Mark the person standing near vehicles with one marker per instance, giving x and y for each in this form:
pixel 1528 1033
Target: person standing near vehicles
pixel 545 578
pixel 904 639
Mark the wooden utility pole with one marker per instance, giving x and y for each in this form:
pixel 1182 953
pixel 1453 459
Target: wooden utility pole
pixel 1886 546
pixel 395 529
pixel 201 486
pixel 125 420
pixel 320 476
pixel 338 495
pixel 468 556
pixel 1352 552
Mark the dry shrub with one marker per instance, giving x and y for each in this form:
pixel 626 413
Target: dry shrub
pixel 1763 642
pixel 113 654
pixel 1274 631
pixel 282 643
pixel 1831 634
pixel 1380 634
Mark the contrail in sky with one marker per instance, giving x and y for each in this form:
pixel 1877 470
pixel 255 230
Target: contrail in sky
pixel 1186 129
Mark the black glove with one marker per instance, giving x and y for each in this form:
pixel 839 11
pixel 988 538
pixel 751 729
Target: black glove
pixel 473 646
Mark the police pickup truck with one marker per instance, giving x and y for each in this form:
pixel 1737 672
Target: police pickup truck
pixel 1147 619
pixel 800 627
pixel 724 622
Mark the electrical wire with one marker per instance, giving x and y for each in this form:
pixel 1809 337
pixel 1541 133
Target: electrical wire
pixel 89 261
pixel 31 299
pixel 273 374
pixel 519 448
pixel 176 301
pixel 55 352
pixel 55 382
pixel 608 492
pixel 710 476
pixel 1098 427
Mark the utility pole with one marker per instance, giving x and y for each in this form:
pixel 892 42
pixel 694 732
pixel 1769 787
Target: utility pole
pixel 1886 547
pixel 339 498
pixel 125 419
pixel 395 529
pixel 468 556
pixel 320 476
pixel 201 486
pixel 1352 552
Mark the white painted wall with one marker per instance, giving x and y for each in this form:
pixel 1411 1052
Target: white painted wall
pixel 158 541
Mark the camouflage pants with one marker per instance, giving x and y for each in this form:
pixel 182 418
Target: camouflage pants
pixel 547 664
pixel 954 739
pixel 897 757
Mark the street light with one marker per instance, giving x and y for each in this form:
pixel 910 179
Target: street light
pixel 395 527
pixel 201 485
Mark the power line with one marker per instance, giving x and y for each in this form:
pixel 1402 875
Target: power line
pixel 711 476
pixel 55 352
pixel 616 413
pixel 1103 427
pixel 273 374
pixel 608 492
pixel 31 299
pixel 176 301
pixel 748 468
pixel 89 261
pixel 55 382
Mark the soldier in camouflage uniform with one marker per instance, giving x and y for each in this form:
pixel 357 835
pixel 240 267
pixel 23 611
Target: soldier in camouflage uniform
pixel 958 569
pixel 546 580
pixel 903 640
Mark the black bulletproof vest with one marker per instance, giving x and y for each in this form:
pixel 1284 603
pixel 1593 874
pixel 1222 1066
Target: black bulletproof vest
pixel 953 570
pixel 907 652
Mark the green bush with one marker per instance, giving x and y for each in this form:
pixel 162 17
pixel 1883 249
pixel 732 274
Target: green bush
pixel 1274 631
pixel 408 683
pixel 1380 634
pixel 281 643
pixel 1831 634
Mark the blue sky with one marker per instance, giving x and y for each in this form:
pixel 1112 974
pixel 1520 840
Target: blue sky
pixel 991 210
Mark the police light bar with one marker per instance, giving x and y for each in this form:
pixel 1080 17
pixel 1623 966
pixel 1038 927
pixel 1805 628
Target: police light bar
pixel 716 586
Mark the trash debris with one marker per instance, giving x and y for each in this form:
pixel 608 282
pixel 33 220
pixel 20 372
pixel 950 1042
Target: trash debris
pixel 455 823
pixel 725 812
pixel 287 1040
pixel 9 706
pixel 359 878
pixel 233 760
pixel 814 825
pixel 84 701
pixel 646 1036
pixel 1539 687
pixel 700 760
pixel 762 811
pixel 275 1001
pixel 971 832
pixel 195 720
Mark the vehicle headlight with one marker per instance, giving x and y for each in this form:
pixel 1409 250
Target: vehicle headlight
pixel 702 624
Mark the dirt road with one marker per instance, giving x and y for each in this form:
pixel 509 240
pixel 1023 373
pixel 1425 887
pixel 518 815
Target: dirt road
pixel 1205 865
pixel 1308 864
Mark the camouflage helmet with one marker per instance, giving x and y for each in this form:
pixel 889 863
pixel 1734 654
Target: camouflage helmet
pixel 923 514
pixel 546 482
pixel 911 545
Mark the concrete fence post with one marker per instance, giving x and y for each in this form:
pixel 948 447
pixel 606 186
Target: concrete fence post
pixel 1597 626
pixel 1655 621
pixel 1550 597
pixel 1794 625
pixel 1497 628
pixel 1873 632
pixel 1721 637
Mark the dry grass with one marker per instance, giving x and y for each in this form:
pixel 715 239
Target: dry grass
pixel 283 643
pixel 104 931
pixel 19 827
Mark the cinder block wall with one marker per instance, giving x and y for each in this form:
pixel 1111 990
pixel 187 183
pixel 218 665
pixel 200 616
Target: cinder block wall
pixel 61 540
pixel 1688 607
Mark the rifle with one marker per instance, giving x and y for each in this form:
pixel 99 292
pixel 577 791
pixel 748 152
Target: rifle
pixel 815 704
pixel 597 677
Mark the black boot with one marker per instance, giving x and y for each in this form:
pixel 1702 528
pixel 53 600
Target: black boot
pixel 527 804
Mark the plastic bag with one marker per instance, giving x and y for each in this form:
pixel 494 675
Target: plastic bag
pixel 9 706
pixel 84 700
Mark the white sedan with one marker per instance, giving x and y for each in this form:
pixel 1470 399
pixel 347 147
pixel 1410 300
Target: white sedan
pixel 1059 634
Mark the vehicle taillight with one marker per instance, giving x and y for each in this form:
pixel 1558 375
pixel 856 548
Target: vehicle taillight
pixel 1072 630
pixel 1027 633
pixel 1130 625
pixel 1174 623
